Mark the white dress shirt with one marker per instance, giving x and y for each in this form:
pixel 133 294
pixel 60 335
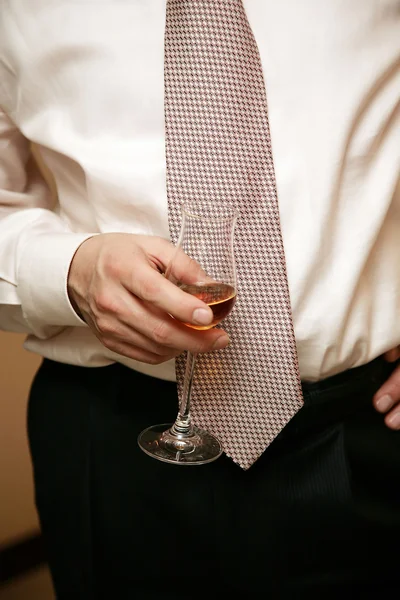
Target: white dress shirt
pixel 83 81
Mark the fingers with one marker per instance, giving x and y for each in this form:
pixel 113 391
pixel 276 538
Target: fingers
pixel 116 283
pixel 135 352
pixel 118 318
pixel 393 354
pixel 152 287
pixel 387 400
pixel 122 340
pixel 164 331
pixel 113 332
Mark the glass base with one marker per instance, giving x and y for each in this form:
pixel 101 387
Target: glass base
pixel 199 448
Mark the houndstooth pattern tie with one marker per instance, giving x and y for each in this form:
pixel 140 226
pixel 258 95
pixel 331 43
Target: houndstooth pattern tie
pixel 218 147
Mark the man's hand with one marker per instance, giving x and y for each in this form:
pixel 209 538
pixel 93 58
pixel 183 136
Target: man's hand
pixel 116 284
pixel 387 398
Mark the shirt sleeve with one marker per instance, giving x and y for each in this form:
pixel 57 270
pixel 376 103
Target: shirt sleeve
pixel 36 246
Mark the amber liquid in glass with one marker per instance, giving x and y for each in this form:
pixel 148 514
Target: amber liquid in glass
pixel 220 297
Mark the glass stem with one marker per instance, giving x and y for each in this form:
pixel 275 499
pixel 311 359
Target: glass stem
pixel 183 425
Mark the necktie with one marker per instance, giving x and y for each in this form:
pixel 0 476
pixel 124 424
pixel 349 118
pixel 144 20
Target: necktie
pixel 218 147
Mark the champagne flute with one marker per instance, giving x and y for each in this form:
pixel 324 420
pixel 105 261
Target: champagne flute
pixel 206 235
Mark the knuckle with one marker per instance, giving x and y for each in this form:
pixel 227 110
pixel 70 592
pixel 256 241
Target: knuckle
pixel 105 326
pixel 161 334
pixel 111 265
pixel 110 344
pixel 148 290
pixel 114 269
pixel 206 343
pixel 105 302
pixel 395 384
pixel 201 347
pixel 396 375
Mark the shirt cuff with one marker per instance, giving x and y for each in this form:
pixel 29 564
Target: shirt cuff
pixel 42 281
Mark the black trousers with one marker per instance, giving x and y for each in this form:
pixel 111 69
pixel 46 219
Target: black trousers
pixel 317 516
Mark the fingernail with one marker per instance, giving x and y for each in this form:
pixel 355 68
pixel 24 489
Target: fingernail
pixel 202 316
pixel 221 342
pixel 394 421
pixel 384 403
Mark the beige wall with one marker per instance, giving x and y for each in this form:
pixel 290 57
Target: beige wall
pixel 17 368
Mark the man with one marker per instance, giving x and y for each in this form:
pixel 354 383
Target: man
pixel 318 514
